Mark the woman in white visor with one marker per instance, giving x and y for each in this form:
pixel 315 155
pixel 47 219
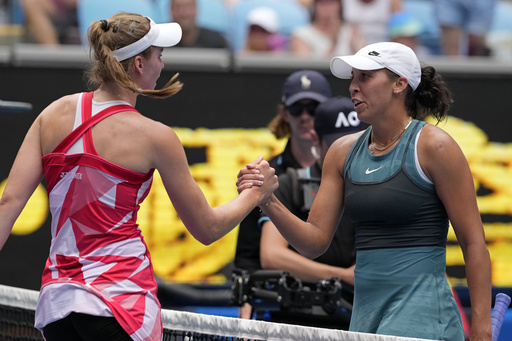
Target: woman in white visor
pixel 98 155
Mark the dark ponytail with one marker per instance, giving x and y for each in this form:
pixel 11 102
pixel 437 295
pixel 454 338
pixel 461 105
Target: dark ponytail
pixel 432 97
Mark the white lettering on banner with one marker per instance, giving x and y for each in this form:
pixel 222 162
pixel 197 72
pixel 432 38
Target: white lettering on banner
pixel 345 121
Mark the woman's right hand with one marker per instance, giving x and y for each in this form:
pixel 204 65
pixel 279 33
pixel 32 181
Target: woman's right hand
pixel 258 174
pixel 270 181
pixel 250 176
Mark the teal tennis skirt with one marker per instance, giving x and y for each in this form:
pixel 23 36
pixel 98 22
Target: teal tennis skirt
pixel 404 292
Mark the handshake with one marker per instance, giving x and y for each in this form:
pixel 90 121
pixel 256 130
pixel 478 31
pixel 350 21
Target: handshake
pixel 260 177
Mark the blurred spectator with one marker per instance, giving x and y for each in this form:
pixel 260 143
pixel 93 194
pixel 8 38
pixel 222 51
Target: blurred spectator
pixel 306 3
pixel 499 38
pixel 4 13
pixel 12 28
pixel 405 29
pixel 263 31
pixel 328 34
pixel 51 22
pixel 184 12
pixel 371 17
pixel 464 25
pixel 231 3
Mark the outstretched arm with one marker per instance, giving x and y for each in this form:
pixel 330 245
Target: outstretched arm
pixel 205 223
pixel 24 177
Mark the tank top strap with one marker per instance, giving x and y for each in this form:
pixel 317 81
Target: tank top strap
pixel 355 148
pixel 88 122
pixel 86 117
pixel 412 133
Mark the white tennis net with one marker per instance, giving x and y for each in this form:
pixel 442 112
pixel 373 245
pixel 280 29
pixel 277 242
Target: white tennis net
pixel 17 307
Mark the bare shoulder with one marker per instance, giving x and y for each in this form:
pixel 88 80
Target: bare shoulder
pixel 139 130
pixel 438 153
pixel 159 137
pixel 60 114
pixel 339 150
pixel 56 121
pixel 61 106
pixel 154 130
pixel 165 150
pixel 434 139
pixel 343 145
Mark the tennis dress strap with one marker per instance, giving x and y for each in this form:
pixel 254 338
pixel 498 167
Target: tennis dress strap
pixel 88 122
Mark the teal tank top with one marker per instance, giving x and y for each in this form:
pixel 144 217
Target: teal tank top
pixel 387 199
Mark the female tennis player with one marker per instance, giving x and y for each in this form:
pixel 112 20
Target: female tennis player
pixel 98 155
pixel 401 182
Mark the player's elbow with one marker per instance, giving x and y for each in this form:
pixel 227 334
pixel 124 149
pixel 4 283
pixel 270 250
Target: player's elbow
pixel 314 250
pixel 205 230
pixel 202 236
pixel 11 202
pixel 266 263
pixel 268 260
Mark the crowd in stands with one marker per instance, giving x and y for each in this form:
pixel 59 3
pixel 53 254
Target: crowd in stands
pixel 317 28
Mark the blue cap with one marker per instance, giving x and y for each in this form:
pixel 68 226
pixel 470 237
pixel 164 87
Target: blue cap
pixel 305 84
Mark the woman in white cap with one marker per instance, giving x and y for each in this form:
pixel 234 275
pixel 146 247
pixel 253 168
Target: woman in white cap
pixel 263 31
pixel 402 181
pixel 98 155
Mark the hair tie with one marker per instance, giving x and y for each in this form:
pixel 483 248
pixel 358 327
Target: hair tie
pixel 104 25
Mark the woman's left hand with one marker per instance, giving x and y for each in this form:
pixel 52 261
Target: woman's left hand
pixel 250 176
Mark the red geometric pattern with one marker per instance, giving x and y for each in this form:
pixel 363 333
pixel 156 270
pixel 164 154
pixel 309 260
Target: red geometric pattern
pixel 96 241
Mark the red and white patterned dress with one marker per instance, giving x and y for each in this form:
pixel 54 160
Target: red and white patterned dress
pixel 99 263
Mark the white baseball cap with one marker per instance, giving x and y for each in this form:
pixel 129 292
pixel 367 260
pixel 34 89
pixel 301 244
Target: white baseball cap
pixel 265 18
pixel 161 35
pixel 395 57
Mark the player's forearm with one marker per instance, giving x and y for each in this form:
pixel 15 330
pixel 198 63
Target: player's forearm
pixel 10 209
pixel 303 236
pixel 478 272
pixel 285 259
pixel 210 224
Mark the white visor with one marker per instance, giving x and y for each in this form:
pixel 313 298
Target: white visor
pixel 161 35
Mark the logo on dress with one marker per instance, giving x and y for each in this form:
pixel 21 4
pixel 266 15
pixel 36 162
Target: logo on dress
pixel 370 171
pixel 77 176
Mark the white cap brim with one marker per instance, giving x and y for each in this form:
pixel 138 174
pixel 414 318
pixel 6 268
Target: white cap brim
pixel 342 66
pixel 169 35
pixel 161 35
